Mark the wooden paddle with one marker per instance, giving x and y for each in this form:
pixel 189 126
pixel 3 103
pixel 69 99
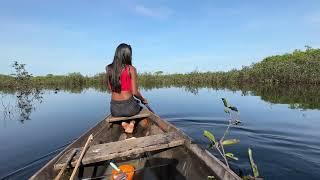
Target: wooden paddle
pixel 65 165
pixel 148 107
pixel 75 170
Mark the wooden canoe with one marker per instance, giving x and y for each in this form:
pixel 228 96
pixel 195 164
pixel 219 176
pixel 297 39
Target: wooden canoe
pixel 158 151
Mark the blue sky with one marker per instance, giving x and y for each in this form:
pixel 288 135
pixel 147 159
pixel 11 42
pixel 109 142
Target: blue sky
pixel 61 36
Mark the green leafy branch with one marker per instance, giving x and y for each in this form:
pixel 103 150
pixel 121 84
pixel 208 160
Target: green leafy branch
pixel 233 120
pixel 233 113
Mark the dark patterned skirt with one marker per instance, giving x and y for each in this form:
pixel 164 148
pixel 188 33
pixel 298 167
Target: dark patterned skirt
pixel 125 108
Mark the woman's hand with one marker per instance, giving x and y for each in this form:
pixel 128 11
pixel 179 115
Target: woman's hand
pixel 144 101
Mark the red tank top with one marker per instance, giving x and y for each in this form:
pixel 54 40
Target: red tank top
pixel 125 80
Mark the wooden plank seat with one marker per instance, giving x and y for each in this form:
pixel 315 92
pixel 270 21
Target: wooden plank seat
pixel 144 113
pixel 107 151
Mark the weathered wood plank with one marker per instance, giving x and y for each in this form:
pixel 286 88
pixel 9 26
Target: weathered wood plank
pixel 144 113
pixel 107 151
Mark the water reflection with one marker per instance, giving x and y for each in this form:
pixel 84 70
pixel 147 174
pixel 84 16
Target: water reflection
pixel 26 103
pixel 22 105
pixel 305 96
pixel 296 96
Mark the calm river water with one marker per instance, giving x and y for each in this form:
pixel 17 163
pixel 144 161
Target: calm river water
pixel 284 134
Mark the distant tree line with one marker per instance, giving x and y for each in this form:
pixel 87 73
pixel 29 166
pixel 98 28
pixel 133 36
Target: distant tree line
pixel 50 81
pixel 298 67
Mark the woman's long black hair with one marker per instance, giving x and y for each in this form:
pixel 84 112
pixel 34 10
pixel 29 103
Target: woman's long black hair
pixel 122 57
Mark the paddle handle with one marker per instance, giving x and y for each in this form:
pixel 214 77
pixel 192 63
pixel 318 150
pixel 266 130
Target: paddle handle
pixel 75 170
pixel 148 107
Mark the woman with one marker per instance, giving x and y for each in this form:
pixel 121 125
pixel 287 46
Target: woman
pixel 122 82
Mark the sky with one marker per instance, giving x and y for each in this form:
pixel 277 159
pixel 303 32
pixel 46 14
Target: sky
pixel 59 37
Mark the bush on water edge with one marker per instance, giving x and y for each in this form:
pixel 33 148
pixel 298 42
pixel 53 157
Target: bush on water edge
pixel 301 67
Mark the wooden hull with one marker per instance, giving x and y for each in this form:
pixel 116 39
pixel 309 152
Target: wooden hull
pixel 179 158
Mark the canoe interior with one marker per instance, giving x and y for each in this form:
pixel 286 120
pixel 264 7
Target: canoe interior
pixel 186 161
pixel 104 132
pixel 168 164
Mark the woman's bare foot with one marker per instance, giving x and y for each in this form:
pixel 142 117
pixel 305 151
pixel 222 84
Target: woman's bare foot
pixel 124 125
pixel 130 127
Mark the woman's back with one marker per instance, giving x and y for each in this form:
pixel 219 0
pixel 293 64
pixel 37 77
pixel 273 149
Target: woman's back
pixel 125 79
pixel 126 90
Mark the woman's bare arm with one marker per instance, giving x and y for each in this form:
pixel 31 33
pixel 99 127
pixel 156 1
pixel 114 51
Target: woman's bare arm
pixel 134 82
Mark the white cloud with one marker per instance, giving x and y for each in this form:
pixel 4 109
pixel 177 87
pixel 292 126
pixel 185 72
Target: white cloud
pixel 155 12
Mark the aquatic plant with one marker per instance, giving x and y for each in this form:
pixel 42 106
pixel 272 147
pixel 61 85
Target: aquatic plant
pixel 233 119
pixel 254 167
pixel 218 144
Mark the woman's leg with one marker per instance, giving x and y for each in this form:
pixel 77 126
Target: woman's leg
pixel 144 123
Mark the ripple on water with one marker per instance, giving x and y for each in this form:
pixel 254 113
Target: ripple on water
pixel 272 147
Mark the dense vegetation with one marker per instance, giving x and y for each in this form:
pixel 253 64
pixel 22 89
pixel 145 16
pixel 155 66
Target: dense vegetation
pixel 298 67
pixel 70 81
